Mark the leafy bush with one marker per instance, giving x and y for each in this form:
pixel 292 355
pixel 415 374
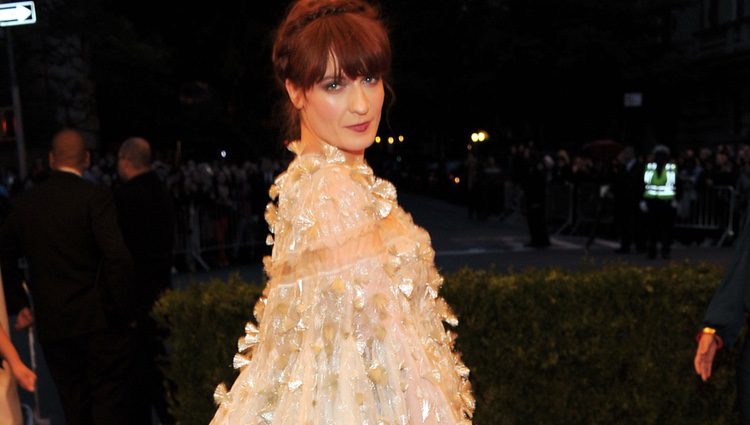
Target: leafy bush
pixel 204 322
pixel 612 345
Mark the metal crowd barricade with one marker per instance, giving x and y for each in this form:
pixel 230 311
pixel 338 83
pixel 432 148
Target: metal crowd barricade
pixel 203 228
pixel 712 209
pixel 590 207
pixel 560 204
pixel 582 208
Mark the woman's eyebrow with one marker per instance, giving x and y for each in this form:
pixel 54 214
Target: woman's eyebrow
pixel 340 77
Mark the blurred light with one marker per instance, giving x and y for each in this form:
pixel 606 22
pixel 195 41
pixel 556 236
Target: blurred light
pixel 377 139
pixel 468 147
pixel 483 136
pixel 456 180
pixel 480 136
pixel 7 122
pixel 223 153
pixel 390 140
pixel 400 138
pixel 398 158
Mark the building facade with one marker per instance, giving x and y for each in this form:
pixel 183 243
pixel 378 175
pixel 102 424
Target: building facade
pixel 712 94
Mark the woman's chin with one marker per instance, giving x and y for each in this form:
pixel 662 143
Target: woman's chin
pixel 357 145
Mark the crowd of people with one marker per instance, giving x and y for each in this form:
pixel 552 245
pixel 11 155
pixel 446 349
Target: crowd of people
pixel 698 169
pixel 538 182
pixel 219 205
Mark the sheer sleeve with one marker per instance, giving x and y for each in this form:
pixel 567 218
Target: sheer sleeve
pixel 340 209
pixel 328 218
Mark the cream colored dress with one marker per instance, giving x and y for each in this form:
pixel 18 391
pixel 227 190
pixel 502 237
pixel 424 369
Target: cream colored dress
pixel 350 325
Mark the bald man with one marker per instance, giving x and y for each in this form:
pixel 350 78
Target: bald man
pixel 146 218
pixel 79 277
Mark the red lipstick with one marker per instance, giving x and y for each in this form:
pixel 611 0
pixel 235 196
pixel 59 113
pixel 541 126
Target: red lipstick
pixel 359 128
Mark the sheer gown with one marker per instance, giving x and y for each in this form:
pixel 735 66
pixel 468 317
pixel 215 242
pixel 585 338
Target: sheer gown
pixel 349 328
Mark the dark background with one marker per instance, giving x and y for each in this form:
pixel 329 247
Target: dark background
pixel 552 72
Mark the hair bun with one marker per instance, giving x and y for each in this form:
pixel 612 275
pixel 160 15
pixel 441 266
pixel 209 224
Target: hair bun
pixel 330 10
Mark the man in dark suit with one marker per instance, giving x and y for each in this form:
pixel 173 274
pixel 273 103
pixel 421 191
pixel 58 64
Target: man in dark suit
pixel 534 184
pixel 628 190
pixel 725 317
pixel 146 218
pixel 79 267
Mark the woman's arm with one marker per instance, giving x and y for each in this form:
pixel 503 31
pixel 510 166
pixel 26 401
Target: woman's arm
pixel 25 376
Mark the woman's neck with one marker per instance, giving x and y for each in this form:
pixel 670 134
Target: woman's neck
pixel 313 145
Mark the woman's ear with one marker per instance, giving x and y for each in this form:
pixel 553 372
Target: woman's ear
pixel 296 95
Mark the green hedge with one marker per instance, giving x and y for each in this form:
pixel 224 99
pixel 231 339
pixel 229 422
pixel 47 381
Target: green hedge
pixel 610 345
pixel 204 322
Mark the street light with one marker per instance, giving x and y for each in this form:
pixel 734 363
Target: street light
pixel 400 138
pixel 390 140
pixel 480 136
pixel 377 139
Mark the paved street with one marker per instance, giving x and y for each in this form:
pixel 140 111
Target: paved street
pixel 458 242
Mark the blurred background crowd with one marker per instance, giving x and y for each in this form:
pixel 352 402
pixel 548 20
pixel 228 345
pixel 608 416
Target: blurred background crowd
pixel 220 203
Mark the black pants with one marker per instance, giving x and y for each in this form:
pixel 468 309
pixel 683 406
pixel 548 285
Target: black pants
pixel 152 392
pixel 660 218
pixel 628 218
pixel 94 376
pixel 536 218
pixel 474 202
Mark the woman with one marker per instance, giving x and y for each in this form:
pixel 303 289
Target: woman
pixel 350 325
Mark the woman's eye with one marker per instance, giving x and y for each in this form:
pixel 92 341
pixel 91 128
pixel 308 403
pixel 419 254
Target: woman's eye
pixel 370 79
pixel 333 86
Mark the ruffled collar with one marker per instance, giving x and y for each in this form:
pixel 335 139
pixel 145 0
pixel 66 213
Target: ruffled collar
pixel 304 165
pixel 331 154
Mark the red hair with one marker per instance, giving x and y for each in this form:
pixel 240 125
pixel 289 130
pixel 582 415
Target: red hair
pixel 349 31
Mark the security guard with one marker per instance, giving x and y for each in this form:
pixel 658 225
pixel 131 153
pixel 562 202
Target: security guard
pixel 660 178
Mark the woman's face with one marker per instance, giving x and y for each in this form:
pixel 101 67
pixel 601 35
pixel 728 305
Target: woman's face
pixel 342 112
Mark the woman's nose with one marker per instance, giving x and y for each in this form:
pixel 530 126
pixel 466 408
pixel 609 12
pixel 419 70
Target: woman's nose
pixel 359 103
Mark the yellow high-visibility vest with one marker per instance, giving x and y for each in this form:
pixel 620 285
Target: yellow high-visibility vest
pixel 660 185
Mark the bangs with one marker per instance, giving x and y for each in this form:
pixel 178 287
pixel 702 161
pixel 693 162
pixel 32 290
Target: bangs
pixel 358 45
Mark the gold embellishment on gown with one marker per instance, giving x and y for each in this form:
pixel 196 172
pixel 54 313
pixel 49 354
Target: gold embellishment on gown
pixel 221 394
pixel 240 361
pixel 350 325
pixel 407 286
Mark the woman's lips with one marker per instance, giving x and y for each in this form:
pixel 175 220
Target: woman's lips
pixel 359 128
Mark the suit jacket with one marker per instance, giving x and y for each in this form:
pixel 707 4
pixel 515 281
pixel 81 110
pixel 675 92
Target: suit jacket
pixel 729 306
pixel 78 264
pixel 146 217
pixel 628 187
